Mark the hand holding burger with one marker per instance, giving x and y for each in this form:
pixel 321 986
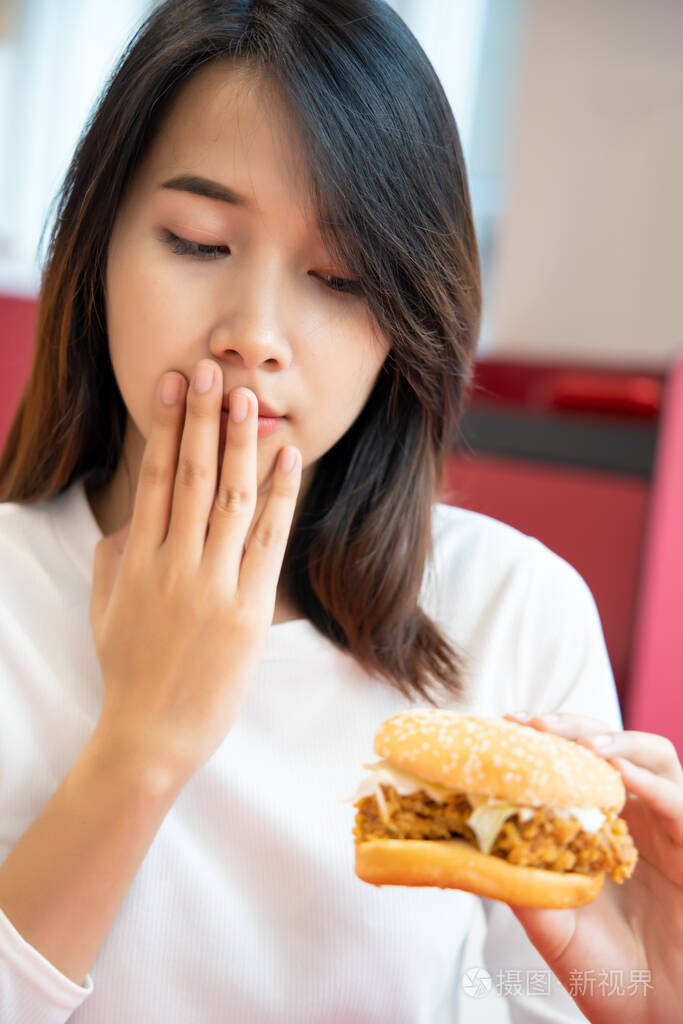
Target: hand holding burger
pixel 483 804
pixel 637 927
pixel 634 927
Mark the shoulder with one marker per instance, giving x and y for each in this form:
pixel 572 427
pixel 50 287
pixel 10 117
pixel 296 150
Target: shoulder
pixel 27 544
pixel 487 550
pixel 19 524
pixel 531 620
pixel 455 526
pixel 498 581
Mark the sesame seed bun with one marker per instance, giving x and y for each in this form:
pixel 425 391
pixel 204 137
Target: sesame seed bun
pixel 500 759
pixel 456 864
pixel 503 760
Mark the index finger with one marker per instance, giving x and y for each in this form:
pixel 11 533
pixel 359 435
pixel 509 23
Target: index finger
pixel 562 723
pixel 156 479
pixel 664 797
pixel 647 750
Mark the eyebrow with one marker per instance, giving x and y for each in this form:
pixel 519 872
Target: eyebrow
pixel 199 186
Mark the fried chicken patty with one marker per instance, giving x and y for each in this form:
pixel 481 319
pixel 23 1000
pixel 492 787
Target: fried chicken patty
pixel 544 841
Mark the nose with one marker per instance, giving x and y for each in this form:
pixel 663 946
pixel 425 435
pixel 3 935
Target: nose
pixel 250 331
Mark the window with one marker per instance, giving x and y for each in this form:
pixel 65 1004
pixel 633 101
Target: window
pixel 55 57
pixel 475 47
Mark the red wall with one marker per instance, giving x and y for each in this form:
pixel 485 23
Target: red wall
pixel 17 326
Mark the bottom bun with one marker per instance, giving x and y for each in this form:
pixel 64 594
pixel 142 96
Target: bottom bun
pixel 455 864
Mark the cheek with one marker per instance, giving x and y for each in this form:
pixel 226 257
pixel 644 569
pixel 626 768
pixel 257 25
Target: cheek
pixel 360 370
pixel 338 389
pixel 144 300
pixel 146 330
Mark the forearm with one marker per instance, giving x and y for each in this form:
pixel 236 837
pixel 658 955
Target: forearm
pixel 65 879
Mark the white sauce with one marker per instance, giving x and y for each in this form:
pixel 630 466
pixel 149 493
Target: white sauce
pixel 486 820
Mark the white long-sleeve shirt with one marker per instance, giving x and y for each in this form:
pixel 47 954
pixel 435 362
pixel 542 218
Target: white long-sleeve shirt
pixel 246 908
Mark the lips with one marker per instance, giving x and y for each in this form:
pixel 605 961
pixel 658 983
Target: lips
pixel 263 409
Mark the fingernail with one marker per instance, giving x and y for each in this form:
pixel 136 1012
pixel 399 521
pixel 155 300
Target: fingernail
pixel 239 406
pixel 203 378
pixel 170 390
pixel 288 460
pixel 623 764
pixel 601 742
pixel 523 716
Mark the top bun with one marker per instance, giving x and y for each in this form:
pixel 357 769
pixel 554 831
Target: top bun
pixel 500 759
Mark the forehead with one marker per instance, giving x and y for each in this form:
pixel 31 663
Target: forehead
pixel 230 124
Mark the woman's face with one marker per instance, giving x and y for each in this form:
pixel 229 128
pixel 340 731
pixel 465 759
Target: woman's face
pixel 246 285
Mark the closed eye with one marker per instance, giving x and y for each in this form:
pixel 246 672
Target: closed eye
pixel 342 284
pixel 201 251
pixel 197 250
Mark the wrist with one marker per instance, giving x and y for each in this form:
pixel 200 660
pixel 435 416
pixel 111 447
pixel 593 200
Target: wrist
pixel 137 762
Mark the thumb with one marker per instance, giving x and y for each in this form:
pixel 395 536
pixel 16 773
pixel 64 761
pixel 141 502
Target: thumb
pixel 108 554
pixel 550 931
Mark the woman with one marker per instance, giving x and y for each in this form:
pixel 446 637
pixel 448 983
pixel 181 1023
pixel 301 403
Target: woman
pixel 268 212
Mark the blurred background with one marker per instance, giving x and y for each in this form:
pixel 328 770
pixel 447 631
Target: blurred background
pixel 571 118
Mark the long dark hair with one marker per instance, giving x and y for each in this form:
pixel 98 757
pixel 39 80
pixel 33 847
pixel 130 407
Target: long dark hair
pixel 386 172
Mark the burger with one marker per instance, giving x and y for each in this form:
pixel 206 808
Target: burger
pixel 484 804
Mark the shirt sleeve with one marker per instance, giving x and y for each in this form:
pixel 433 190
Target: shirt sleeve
pixel 561 664
pixel 32 990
